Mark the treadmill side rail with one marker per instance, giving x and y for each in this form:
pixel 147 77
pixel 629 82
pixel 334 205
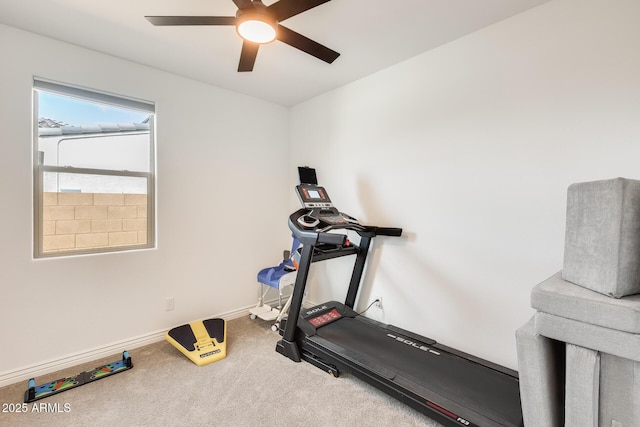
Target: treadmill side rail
pixel 321 364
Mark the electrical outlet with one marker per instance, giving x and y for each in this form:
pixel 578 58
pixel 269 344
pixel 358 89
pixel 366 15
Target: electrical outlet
pixel 378 303
pixel 169 303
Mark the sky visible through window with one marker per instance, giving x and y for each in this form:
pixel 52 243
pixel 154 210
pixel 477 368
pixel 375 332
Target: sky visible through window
pixel 77 112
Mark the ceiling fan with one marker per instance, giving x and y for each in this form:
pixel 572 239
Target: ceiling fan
pixel 258 24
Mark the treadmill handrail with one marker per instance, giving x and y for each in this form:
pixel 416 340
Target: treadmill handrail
pixel 317 235
pixel 310 237
pixel 388 231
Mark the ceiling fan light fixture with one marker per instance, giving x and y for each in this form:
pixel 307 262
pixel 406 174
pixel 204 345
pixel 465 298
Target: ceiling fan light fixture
pixel 257 28
pixel 258 24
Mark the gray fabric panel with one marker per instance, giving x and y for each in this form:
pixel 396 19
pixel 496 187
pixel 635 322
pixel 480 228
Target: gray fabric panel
pixel 541 372
pixel 561 298
pixel 582 387
pixel 617 396
pixel 602 240
pixel 606 340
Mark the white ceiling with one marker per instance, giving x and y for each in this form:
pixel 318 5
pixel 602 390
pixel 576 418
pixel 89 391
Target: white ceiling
pixel 369 34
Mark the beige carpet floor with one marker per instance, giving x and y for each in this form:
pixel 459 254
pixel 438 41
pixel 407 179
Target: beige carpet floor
pixel 252 386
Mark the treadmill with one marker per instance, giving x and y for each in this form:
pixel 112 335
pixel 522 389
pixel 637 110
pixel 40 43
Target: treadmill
pixel 447 385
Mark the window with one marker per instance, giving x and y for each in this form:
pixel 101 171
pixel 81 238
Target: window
pixel 93 171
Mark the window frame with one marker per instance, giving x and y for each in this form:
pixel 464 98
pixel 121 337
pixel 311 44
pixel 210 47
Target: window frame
pixel 90 95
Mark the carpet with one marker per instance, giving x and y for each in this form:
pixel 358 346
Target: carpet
pixel 252 386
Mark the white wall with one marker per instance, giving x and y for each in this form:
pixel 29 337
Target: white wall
pixel 208 159
pixel 470 148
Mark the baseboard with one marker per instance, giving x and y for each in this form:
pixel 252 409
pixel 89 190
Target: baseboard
pixel 23 374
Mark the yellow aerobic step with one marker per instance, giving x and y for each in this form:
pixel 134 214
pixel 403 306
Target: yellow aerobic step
pixel 202 341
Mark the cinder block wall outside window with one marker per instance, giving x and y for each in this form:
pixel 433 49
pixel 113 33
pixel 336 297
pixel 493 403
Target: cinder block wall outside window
pixel 93 220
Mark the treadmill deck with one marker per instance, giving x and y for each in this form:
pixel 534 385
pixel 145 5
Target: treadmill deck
pixel 421 366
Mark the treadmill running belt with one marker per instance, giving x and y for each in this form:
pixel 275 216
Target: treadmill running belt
pixel 471 385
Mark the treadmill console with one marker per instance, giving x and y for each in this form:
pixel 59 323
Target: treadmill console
pixel 313 196
pixel 320 210
pixel 319 216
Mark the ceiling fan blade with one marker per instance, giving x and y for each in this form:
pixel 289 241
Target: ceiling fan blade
pixel 192 20
pixel 242 4
pixel 305 44
pixel 284 9
pixel 248 55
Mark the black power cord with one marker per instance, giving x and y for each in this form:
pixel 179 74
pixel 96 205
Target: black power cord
pixel 370 305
